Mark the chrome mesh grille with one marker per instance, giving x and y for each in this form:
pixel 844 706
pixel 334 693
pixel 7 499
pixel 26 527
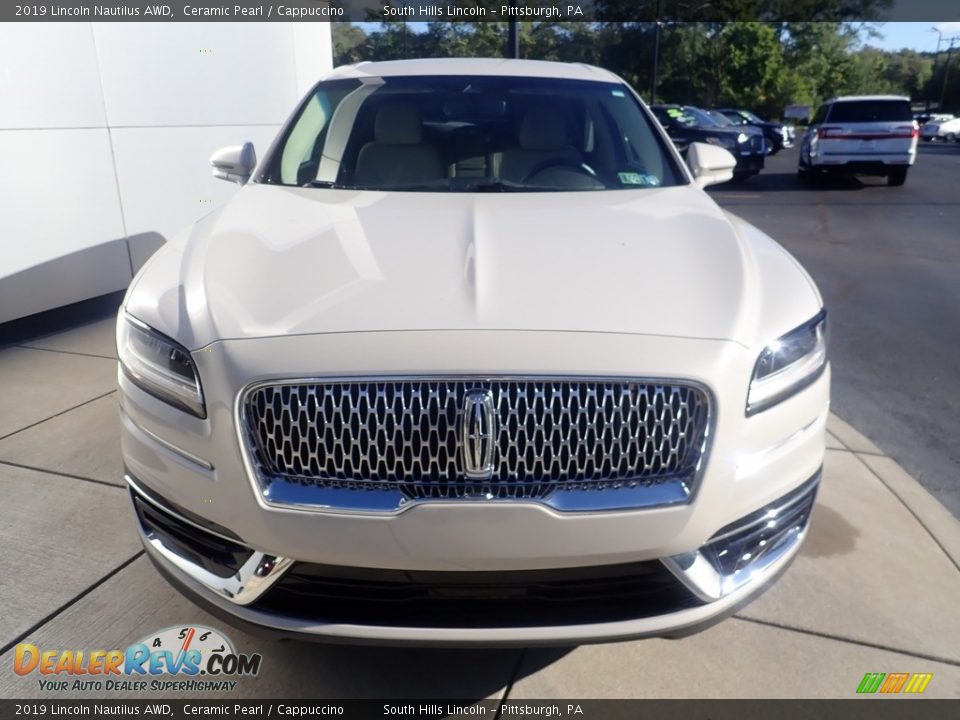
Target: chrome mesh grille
pixel 407 435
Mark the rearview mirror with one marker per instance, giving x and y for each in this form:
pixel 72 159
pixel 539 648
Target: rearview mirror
pixel 710 164
pixel 234 163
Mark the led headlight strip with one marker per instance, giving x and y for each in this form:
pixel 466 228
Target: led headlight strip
pixel 789 364
pixel 159 366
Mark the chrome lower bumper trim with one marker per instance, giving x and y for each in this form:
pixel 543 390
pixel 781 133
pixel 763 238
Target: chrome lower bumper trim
pixel 723 594
pixel 675 624
pixel 283 493
pixel 250 581
pixel 764 558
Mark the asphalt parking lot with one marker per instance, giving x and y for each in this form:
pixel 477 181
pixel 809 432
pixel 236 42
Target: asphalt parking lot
pixel 874 589
pixel 887 261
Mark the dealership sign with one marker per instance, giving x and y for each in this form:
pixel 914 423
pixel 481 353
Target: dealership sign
pixel 184 652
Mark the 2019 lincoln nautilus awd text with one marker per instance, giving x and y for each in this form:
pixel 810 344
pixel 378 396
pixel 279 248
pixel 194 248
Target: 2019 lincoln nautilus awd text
pixel 470 357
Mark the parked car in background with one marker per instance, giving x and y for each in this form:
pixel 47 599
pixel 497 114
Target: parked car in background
pixel 723 121
pixel 778 135
pixel 923 118
pixel 860 134
pixel 471 358
pixel 685 124
pixel 941 127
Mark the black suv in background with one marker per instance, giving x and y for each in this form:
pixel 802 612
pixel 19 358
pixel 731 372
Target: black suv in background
pixel 777 134
pixel 685 124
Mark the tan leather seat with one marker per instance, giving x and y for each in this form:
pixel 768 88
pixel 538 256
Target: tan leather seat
pixel 543 137
pixel 397 155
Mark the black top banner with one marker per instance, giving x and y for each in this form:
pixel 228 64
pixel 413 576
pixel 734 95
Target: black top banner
pixel 485 10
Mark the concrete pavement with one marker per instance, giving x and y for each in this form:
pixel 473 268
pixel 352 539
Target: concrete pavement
pixel 874 590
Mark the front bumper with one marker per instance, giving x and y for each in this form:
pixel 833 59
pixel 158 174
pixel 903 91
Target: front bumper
pixel 195 468
pixel 674 597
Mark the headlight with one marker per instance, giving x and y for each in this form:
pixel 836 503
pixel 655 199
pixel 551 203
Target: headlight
pixel 789 364
pixel 159 366
pixel 742 138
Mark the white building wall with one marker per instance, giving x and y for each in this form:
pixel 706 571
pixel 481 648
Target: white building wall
pixel 105 133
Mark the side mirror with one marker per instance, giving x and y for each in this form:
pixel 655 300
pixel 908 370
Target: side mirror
pixel 710 164
pixel 234 163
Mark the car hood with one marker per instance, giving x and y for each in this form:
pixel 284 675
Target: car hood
pixel 280 261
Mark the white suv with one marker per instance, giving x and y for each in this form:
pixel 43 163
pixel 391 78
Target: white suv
pixel 861 134
pixel 472 358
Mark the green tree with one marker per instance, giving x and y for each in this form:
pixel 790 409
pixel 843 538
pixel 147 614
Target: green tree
pixel 750 67
pixel 349 43
pixel 762 66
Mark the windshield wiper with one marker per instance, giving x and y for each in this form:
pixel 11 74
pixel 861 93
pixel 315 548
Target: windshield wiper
pixel 323 184
pixel 441 185
pixel 493 185
pixel 498 185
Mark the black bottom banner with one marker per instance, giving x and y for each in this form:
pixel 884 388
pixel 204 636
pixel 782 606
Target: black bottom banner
pixel 867 709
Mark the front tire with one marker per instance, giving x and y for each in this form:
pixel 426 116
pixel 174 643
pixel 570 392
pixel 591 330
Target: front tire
pixel 896 178
pixel 951 137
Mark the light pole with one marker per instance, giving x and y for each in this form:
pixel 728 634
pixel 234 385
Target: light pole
pixel 513 37
pixel 656 58
pixel 656 51
pixel 936 59
pixel 946 72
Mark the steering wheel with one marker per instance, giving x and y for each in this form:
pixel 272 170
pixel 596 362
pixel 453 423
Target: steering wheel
pixel 559 162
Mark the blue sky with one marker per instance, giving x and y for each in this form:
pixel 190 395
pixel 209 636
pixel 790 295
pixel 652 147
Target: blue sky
pixel 913 35
pixel 895 35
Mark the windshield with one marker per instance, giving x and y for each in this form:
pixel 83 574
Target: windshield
pixel 751 117
pixel 471 134
pixel 721 119
pixel 672 115
pixel 701 117
pixel 734 117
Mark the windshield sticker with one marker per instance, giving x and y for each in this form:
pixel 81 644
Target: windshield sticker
pixel 618 93
pixel 674 112
pixel 632 178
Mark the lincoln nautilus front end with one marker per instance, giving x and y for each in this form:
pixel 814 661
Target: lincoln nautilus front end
pixel 472 358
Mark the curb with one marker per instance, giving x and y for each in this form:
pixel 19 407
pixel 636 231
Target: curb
pixel 939 522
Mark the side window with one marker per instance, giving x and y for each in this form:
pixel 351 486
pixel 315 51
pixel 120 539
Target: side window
pixel 302 139
pixel 821 115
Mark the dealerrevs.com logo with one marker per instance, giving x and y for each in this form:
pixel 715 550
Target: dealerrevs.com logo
pixel 188 658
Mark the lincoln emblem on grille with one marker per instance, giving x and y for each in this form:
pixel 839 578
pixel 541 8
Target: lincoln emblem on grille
pixel 478 434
